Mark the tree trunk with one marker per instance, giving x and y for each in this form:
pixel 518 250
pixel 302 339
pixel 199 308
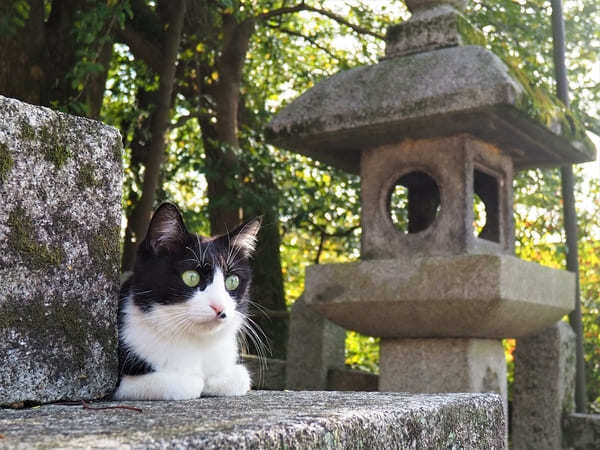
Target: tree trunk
pixel 142 212
pixel 42 55
pixel 569 213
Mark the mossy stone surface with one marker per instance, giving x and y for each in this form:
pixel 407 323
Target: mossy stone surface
pixel 6 162
pixel 22 241
pixel 86 176
pixel 59 294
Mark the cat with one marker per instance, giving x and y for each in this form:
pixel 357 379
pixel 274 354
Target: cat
pixel 181 312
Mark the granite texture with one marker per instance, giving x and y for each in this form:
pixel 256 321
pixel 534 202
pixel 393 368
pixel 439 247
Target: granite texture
pixel 268 420
pixel 460 167
pixel 445 92
pixel 543 388
pixel 59 254
pixel 315 345
pixel 489 296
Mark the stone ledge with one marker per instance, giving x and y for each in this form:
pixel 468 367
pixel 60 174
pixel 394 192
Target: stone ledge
pixel 486 296
pixel 268 420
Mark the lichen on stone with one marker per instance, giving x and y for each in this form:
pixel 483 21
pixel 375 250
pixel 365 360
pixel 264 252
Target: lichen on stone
pixel 27 131
pixel 21 239
pixel 116 151
pixel 53 320
pixel 6 162
pixel 54 151
pixel 103 247
pixel 86 177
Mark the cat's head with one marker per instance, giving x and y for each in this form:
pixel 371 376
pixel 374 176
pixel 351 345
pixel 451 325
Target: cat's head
pixel 196 284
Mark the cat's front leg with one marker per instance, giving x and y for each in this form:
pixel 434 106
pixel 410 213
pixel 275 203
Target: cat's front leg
pixel 160 386
pixel 235 381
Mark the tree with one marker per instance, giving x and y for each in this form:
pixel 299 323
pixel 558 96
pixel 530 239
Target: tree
pixel 59 51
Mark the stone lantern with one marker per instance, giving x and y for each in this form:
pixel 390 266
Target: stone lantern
pixel 448 122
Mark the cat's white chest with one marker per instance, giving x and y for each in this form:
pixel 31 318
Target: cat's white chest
pixel 152 338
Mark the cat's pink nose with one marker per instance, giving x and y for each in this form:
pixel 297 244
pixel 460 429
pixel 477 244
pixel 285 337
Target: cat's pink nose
pixel 218 309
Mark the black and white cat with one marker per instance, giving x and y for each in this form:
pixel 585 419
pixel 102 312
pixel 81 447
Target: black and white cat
pixel 181 311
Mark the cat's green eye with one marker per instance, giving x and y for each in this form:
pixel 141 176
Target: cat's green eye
pixel 232 282
pixel 191 278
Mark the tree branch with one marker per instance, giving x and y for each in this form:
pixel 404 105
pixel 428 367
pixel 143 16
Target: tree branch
pixel 183 119
pixel 307 39
pixel 336 17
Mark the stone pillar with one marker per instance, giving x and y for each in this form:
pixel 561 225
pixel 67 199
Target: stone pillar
pixel 544 386
pixel 443 365
pixel 60 185
pixel 315 345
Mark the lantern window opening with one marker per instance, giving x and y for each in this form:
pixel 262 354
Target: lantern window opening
pixel 414 202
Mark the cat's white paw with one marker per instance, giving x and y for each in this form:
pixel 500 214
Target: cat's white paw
pixel 185 387
pixel 236 381
pixel 160 386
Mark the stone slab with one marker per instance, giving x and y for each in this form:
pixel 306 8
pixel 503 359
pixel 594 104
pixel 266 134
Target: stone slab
pixel 581 431
pixel 487 296
pixel 543 388
pixel 268 420
pixel 60 219
pixel 445 92
pixel 315 345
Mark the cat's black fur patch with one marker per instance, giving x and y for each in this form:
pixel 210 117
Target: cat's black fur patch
pixel 167 251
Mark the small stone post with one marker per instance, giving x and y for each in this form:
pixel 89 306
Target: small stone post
pixel 544 386
pixel 315 346
pixel 60 184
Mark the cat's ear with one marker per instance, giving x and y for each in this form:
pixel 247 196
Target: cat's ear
pixel 244 236
pixel 167 230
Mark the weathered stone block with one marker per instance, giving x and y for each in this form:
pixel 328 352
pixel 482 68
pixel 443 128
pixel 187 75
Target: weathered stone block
pixel 429 29
pixel 269 420
pixel 492 296
pixel 315 345
pixel 60 184
pixel 445 174
pixel 544 386
pixel 581 431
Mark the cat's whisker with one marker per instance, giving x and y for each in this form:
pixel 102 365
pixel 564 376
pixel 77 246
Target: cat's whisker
pixel 248 333
pixel 194 253
pixel 206 248
pixel 260 308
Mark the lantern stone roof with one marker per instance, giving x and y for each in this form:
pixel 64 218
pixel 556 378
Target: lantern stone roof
pixel 444 92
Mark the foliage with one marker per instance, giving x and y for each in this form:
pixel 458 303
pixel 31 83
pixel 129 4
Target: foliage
pixel 13 16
